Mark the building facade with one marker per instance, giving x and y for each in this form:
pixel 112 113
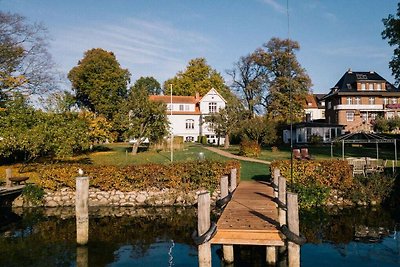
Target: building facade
pixel 314 107
pixel 186 115
pixel 358 98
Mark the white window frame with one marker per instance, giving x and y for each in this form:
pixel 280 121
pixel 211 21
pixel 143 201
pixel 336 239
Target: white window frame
pixel 378 86
pixel 350 115
pixel 349 100
pixel 189 123
pixel 212 107
pixel 371 100
pixel 394 100
pixel 371 87
pixel 357 100
pixel 363 87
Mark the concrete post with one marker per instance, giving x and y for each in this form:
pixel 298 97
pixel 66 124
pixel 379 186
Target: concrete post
pixel 82 210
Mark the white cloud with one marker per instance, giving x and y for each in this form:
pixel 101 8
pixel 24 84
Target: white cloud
pixel 150 48
pixel 275 5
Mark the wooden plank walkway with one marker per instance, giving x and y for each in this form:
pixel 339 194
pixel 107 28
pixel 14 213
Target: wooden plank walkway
pixel 250 218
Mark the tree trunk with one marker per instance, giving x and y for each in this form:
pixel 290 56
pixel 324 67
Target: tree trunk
pixel 135 147
pixel 226 143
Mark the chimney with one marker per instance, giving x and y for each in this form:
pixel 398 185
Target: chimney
pixel 350 71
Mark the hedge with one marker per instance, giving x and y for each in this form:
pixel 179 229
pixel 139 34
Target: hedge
pixel 336 174
pixel 190 175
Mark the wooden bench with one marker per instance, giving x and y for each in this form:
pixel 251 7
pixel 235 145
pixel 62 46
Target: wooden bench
pixel 18 179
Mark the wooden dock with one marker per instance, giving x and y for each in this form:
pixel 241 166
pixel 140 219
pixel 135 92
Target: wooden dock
pixel 250 218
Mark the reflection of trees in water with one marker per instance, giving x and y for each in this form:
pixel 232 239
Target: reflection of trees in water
pixel 50 241
pixel 343 226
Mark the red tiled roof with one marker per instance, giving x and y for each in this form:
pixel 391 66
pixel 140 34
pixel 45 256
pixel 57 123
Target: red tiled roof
pixel 175 99
pixel 311 102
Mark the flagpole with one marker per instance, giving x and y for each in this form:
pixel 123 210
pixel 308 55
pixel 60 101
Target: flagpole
pixel 172 134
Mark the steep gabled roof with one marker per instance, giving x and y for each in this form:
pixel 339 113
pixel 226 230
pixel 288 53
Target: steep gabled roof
pixel 311 102
pixel 348 82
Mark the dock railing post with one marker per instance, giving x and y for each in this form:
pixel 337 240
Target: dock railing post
pixel 226 249
pixel 293 225
pixel 282 200
pixel 8 176
pixel 276 174
pixel 203 224
pixel 233 177
pixel 82 210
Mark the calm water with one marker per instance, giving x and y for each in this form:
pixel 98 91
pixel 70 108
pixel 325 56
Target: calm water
pixel 161 237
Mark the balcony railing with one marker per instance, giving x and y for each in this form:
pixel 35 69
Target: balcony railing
pixel 359 107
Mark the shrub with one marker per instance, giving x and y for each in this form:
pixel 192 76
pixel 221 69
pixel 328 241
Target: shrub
pixel 315 139
pixel 249 148
pixel 274 149
pixel 203 139
pixel 311 195
pixel 33 194
pixel 336 174
pixel 181 175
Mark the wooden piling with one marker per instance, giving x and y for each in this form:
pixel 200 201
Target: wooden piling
pixel 276 174
pixel 82 210
pixel 293 225
pixel 271 256
pixel 8 176
pixel 282 200
pixel 233 178
pixel 226 249
pixel 82 256
pixel 203 224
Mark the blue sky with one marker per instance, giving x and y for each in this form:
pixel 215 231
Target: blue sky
pixel 158 38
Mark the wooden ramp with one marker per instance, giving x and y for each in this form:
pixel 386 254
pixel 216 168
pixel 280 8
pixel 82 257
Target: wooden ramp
pixel 250 218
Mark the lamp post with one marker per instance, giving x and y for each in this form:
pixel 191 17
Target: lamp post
pixel 172 134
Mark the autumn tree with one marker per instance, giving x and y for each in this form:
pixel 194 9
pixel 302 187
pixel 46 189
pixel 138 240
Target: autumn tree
pixel 249 81
pixel 99 82
pixel 288 83
pixel 392 34
pixel 197 77
pixel 25 63
pixel 150 84
pixel 142 118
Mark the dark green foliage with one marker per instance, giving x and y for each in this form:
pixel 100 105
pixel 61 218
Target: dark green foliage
pixel 99 82
pixel 392 33
pixel 33 194
pixel 375 187
pixel 311 195
pixel 149 84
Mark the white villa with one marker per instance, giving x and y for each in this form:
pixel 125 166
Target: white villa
pixel 186 114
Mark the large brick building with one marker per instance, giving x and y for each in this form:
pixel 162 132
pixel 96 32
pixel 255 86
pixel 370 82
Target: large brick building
pixel 358 98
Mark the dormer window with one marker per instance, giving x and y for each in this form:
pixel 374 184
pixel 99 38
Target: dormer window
pixel 378 86
pixel 371 86
pixel 363 87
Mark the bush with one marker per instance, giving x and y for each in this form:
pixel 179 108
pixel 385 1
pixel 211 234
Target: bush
pixel 33 194
pixel 203 140
pixel 181 175
pixel 315 139
pixel 249 148
pixel 311 195
pixel 336 174
pixel 375 187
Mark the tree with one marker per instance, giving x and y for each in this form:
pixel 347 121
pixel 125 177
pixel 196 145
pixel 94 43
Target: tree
pixel 142 118
pixel 27 133
pixel 150 84
pixel 392 33
pixel 259 129
pixel 25 63
pixel 226 120
pixel 249 80
pixel 99 82
pixel 198 77
pixel 60 102
pixel 288 83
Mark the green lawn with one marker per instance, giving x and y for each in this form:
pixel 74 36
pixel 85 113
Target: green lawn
pixel 386 151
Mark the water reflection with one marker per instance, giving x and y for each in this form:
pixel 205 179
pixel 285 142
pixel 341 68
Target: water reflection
pixel 161 237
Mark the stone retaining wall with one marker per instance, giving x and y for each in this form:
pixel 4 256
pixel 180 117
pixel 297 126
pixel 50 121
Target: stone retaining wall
pixel 152 197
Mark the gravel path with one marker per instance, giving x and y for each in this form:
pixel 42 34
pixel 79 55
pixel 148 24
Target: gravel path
pixel 230 155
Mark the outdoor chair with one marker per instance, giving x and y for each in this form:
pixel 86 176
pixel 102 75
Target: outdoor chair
pixel 350 161
pixel 296 153
pixel 359 166
pixel 304 153
pixel 371 165
pixel 381 168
